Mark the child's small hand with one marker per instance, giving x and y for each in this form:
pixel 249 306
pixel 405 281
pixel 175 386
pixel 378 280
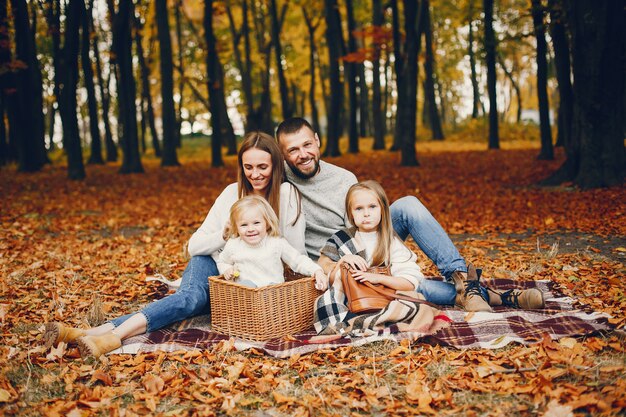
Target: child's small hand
pixel 321 280
pixel 369 277
pixel 231 273
pixel 355 262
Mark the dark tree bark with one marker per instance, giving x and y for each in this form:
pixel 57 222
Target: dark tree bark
pixel 168 111
pixel 146 95
pixel 53 12
pixel 122 45
pixel 429 83
pixel 103 87
pixel 25 108
pixel 262 115
pixel 595 155
pixel 228 133
pixel 312 27
pixel 67 93
pixel 334 41
pixel 547 150
pixel 5 59
pixel 351 72
pixel 95 156
pixel 398 63
pixel 282 82
pixel 472 57
pixel 181 78
pixel 490 49
pixel 378 114
pixel 213 72
pixel 562 64
pixel 406 118
pixel 364 104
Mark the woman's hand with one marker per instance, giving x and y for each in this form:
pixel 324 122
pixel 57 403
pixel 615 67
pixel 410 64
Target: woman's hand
pixel 231 273
pixel 362 276
pixel 321 280
pixel 226 231
pixel 355 262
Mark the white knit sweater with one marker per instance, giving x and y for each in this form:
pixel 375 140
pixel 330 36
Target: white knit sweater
pixel 207 240
pixel 262 263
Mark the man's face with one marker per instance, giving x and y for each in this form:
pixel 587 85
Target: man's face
pixel 302 152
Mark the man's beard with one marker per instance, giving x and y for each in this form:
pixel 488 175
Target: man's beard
pixel 303 175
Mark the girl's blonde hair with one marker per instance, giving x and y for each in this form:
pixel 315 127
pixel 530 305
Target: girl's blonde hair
pixel 386 234
pixel 266 143
pixel 251 202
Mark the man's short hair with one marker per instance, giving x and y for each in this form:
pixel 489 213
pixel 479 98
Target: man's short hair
pixel 292 125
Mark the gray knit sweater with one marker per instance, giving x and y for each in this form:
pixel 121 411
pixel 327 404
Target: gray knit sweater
pixel 323 203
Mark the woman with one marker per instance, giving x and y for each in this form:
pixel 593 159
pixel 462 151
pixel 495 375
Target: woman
pixel 260 172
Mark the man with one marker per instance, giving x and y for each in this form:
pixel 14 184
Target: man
pixel 324 186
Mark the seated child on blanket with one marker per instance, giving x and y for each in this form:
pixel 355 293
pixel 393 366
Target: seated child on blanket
pixel 372 242
pixel 255 251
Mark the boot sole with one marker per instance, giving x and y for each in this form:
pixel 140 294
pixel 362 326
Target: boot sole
pixel 86 348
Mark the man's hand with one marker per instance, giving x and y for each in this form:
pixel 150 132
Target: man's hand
pixel 355 262
pixel 226 231
pixel 321 280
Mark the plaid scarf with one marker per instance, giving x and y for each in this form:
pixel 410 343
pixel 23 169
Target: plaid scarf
pixel 331 314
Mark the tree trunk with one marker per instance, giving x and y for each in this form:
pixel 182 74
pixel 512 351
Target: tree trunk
pixel 145 91
pixel 518 94
pixel 27 108
pixel 168 111
pixel 111 149
pixel 213 72
pixel 334 41
pixel 228 133
pixel 312 27
pixel 563 71
pixel 429 82
pixel 490 48
pixel 472 57
pixel 378 114
pixel 406 119
pixel 67 93
pixel 181 78
pixel 596 156
pixel 122 45
pixel 398 65
pixel 95 156
pixel 351 69
pixel 547 150
pixel 282 82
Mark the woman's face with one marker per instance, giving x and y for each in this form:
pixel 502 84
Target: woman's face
pixel 257 168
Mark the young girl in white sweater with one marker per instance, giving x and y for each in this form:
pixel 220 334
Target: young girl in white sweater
pixel 255 252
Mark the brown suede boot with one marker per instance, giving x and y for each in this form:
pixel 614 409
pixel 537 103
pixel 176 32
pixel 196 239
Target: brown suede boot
pixel 526 299
pixel 96 346
pixel 468 293
pixel 56 333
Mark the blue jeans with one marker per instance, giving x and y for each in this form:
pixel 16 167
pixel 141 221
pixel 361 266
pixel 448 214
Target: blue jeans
pixel 191 299
pixel 441 292
pixel 409 216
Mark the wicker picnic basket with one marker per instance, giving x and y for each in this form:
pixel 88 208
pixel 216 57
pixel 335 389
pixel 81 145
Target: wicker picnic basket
pixel 262 313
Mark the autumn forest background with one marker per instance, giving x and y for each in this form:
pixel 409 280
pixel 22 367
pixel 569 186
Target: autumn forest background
pixel 119 122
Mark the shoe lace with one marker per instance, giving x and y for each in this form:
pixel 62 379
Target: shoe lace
pixel 473 288
pixel 510 298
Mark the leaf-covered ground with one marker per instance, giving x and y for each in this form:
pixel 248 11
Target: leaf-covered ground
pixel 79 252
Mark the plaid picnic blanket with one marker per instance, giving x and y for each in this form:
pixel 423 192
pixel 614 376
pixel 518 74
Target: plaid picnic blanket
pixel 562 317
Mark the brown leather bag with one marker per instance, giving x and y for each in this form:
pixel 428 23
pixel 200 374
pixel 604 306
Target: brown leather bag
pixel 365 297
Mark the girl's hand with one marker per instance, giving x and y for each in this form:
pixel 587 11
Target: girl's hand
pixel 362 276
pixel 226 231
pixel 355 262
pixel 231 273
pixel 321 280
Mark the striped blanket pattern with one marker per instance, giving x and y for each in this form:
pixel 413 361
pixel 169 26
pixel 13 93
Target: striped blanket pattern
pixel 562 317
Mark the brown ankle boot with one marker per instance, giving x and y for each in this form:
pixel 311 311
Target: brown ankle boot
pixel 468 293
pixel 56 333
pixel 96 346
pixel 526 299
